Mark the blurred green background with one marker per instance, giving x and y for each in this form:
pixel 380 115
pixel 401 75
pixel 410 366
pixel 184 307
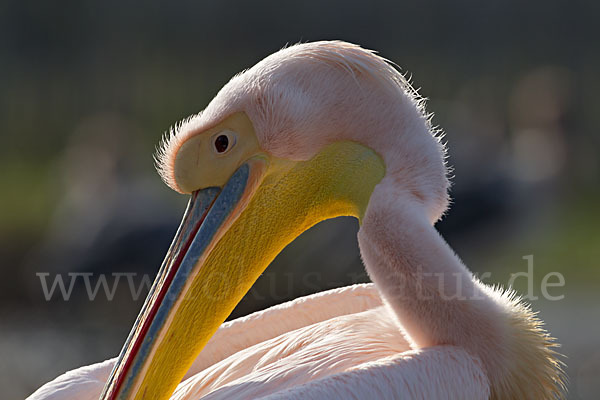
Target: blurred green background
pixel 88 87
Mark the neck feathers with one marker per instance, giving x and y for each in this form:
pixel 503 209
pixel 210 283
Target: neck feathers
pixel 439 302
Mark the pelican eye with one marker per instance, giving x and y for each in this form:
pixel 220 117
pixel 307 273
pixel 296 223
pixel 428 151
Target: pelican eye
pixel 223 141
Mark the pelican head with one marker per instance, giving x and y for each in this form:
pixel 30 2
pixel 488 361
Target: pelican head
pixel 303 136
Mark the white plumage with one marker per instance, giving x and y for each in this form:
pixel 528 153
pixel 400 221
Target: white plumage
pixel 342 342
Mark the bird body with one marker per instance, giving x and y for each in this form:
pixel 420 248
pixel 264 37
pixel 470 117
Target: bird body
pixel 319 343
pixel 315 131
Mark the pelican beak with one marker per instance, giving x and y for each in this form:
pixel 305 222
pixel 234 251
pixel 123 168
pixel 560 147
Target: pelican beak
pixel 209 213
pixel 228 236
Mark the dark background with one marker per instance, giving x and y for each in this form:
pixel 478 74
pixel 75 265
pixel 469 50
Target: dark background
pixel 88 87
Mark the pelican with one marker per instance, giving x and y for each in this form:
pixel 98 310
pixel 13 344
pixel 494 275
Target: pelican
pixel 315 131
